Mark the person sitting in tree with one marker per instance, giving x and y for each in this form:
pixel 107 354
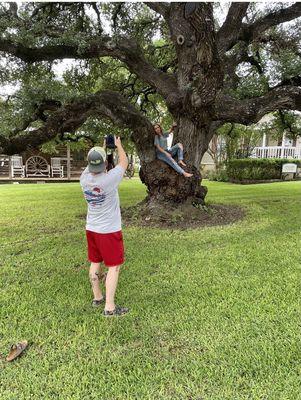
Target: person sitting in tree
pixel 165 154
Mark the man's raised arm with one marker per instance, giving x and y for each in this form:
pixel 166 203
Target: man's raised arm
pixel 123 160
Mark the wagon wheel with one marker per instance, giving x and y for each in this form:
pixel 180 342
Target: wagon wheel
pixel 37 165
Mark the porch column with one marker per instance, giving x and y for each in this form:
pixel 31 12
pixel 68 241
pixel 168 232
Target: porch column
pixel 10 175
pixel 282 145
pixel 264 140
pixel 68 162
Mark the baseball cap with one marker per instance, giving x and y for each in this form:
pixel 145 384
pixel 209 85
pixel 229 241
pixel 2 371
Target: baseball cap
pixel 96 160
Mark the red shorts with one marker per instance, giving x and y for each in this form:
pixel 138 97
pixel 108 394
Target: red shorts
pixel 106 247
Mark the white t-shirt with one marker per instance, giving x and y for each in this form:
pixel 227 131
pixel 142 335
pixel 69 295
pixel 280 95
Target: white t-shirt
pixel 101 194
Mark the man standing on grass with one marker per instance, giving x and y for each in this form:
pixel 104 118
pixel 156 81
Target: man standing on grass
pixel 103 227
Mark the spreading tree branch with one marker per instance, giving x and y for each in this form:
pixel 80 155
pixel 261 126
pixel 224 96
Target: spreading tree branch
pixel 249 111
pixel 68 119
pixel 250 32
pixel 38 115
pixel 253 31
pixel 229 31
pixel 244 34
pixel 293 81
pixel 125 49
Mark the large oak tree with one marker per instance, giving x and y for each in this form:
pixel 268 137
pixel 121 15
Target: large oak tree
pixel 194 71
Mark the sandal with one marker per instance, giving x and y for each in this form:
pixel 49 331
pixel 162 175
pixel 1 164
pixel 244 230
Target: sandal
pixel 97 303
pixel 119 311
pixel 16 350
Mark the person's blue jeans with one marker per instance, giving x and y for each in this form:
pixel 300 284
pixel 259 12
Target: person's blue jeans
pixel 175 150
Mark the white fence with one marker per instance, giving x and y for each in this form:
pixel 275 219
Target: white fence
pixel 277 152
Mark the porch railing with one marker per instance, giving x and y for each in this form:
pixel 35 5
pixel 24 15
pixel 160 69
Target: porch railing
pixel 277 152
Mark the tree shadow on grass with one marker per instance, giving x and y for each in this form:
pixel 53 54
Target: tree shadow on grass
pixel 182 216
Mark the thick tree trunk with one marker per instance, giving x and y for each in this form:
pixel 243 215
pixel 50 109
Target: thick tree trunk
pixel 194 139
pixel 164 184
pixel 199 78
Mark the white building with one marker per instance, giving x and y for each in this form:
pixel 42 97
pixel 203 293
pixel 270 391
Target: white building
pixel 268 147
pixel 271 148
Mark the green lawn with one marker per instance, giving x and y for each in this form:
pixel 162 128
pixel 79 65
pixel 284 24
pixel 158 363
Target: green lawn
pixel 215 312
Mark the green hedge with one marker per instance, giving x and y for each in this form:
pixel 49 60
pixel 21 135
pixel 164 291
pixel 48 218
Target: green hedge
pixel 220 175
pixel 256 169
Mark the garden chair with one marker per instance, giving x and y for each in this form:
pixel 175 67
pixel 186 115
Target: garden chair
pixel 17 167
pixel 56 167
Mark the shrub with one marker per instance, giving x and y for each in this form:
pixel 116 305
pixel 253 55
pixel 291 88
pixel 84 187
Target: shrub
pixel 219 175
pixel 256 169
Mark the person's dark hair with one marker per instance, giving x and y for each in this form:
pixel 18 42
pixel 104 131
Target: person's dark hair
pixel 159 127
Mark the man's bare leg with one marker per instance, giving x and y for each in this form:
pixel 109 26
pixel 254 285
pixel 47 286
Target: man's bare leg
pixel 95 277
pixel 111 285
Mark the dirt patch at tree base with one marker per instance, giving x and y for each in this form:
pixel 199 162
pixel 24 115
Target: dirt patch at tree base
pixel 182 216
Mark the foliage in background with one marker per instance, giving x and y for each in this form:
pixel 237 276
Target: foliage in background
pixel 288 122
pixel 84 77
pixel 233 141
pixel 272 58
pixel 256 169
pixel 218 175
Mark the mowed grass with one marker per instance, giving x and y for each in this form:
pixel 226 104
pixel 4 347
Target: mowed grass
pixel 215 312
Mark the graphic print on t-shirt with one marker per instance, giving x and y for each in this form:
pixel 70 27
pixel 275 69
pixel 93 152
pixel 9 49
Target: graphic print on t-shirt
pixel 101 194
pixel 95 196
